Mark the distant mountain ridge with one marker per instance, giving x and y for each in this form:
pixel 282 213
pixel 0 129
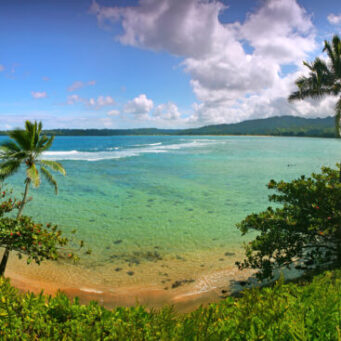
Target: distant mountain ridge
pixel 272 126
pixel 278 126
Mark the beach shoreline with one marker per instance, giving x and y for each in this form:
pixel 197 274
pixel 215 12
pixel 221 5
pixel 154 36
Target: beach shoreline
pixel 206 289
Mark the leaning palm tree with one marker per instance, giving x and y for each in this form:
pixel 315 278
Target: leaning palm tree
pixel 324 79
pixel 26 147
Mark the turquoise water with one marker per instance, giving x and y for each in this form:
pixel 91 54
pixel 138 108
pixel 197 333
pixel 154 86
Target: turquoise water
pixel 159 200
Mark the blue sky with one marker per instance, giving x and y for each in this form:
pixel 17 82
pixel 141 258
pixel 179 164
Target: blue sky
pixel 157 63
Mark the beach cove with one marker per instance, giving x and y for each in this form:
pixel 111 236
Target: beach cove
pixel 158 211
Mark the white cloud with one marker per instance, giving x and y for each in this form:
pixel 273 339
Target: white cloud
pixel 38 95
pixel 235 68
pixel 113 113
pixel 139 106
pixel 100 102
pixel 79 84
pixel 107 122
pixel 167 111
pixel 72 99
pixel 334 19
pixel 2 68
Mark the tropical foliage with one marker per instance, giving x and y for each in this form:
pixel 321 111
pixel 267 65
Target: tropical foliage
pixel 26 147
pixel 37 242
pixel 284 312
pixel 305 230
pixel 324 78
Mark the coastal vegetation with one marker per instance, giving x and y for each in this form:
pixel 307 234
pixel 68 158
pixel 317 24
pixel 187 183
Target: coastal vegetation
pixel 305 231
pixel 307 310
pixel 34 241
pixel 22 234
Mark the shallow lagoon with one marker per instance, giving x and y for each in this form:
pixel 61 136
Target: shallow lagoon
pixel 158 209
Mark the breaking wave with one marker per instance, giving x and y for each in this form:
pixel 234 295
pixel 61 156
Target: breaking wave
pixel 123 152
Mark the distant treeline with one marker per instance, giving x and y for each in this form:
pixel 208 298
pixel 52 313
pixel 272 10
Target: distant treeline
pixel 272 126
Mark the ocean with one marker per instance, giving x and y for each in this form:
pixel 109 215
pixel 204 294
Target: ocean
pixel 158 209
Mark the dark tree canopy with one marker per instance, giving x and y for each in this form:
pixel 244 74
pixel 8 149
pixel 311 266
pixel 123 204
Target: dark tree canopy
pixel 305 230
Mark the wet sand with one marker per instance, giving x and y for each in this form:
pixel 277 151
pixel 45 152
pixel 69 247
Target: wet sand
pixel 206 287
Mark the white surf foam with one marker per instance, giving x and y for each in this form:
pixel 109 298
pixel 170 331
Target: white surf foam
pixel 118 153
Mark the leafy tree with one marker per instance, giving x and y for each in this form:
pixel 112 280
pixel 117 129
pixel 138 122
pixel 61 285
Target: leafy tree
pixel 305 231
pixel 324 79
pixel 27 238
pixel 26 147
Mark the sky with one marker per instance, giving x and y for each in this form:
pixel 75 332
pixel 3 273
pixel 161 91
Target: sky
pixel 158 63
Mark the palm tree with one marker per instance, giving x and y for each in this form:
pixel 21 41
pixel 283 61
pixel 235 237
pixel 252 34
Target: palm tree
pixel 26 147
pixel 324 79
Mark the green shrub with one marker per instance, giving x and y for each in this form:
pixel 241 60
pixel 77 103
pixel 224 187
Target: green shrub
pixel 305 311
pixel 305 230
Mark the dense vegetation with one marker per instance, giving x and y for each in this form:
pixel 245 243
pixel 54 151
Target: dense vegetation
pixel 305 230
pixel 275 126
pixel 284 312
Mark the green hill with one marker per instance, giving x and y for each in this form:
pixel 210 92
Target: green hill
pixel 277 126
pixel 280 126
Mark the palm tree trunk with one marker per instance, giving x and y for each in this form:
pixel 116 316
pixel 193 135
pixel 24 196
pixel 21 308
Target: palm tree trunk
pixel 6 253
pixel 4 262
pixel 23 202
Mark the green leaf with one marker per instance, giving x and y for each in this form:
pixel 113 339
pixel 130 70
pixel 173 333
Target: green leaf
pixel 56 166
pixel 48 176
pixel 33 174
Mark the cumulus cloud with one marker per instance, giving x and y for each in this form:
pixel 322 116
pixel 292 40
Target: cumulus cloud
pixel 235 67
pixel 167 111
pixel 334 19
pixel 100 102
pixel 38 95
pixel 113 113
pixel 79 84
pixel 139 106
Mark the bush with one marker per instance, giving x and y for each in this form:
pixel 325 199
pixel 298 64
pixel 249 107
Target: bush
pixel 305 230
pixel 284 312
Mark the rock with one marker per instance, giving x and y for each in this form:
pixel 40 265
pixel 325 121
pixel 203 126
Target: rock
pixel 177 284
pixel 130 273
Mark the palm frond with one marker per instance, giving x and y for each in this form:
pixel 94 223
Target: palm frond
pixel 10 146
pixel 48 176
pixel 8 168
pixel 338 117
pixel 327 48
pixel 56 166
pixel 38 131
pixel 46 145
pixel 33 174
pixel 21 138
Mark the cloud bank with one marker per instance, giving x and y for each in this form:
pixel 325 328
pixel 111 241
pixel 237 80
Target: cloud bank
pixel 237 69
